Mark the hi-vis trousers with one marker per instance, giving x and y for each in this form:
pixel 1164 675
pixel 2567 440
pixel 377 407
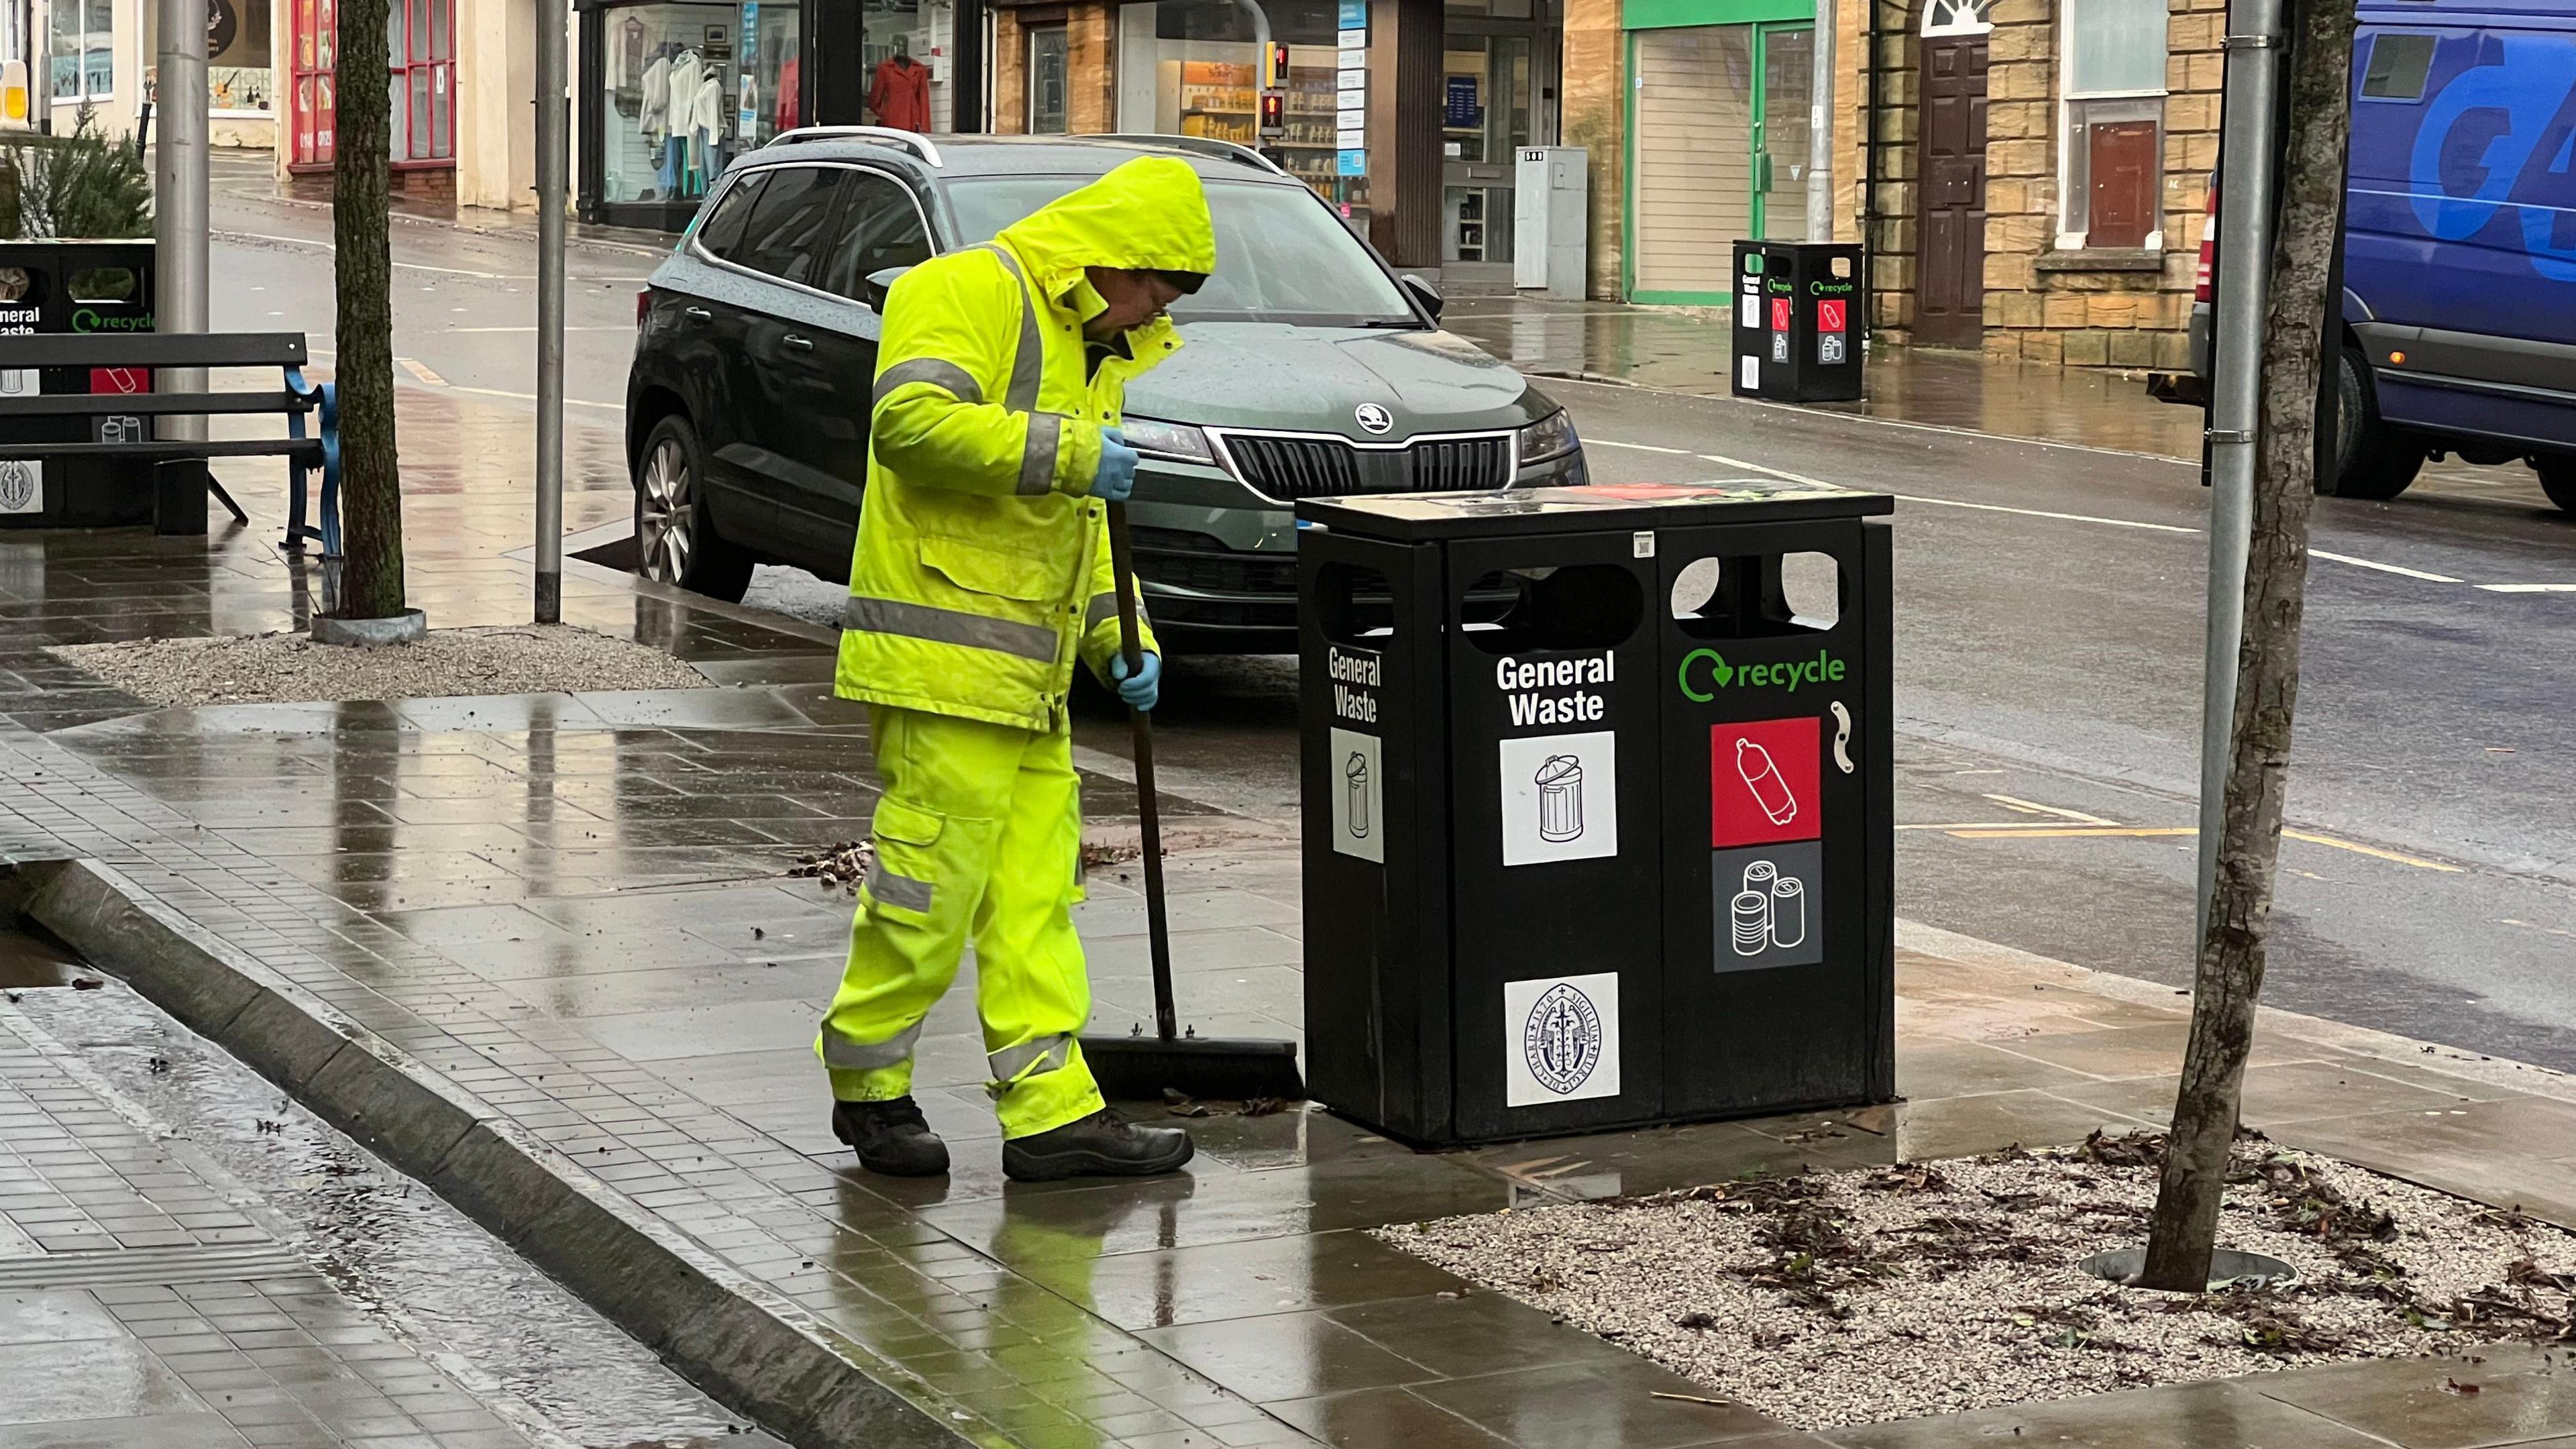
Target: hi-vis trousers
pixel 979 836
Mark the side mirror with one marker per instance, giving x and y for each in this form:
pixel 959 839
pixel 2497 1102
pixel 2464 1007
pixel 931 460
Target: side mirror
pixel 1422 292
pixel 872 289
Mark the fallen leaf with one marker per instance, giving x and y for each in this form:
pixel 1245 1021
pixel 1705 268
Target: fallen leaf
pixel 86 983
pixel 2454 1386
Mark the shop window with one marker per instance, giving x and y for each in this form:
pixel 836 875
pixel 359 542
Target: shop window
pixel 666 73
pixel 786 233
pixel 420 53
pixel 881 227
pixel 2113 135
pixel 84 38
pixel 237 75
pixel 1046 82
pixel 1187 70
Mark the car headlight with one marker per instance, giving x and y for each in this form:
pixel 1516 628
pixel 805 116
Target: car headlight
pixel 1178 442
pixel 1549 438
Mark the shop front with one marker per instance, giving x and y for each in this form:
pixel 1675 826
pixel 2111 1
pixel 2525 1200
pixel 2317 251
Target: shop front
pixel 1402 114
pixel 420 40
pixel 1719 116
pixel 673 90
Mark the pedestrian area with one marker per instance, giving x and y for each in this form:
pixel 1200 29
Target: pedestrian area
pixel 566 915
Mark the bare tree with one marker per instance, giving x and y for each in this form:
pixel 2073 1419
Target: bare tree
pixel 2228 978
pixel 371 574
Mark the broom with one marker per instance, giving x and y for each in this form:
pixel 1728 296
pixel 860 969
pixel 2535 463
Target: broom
pixel 1137 1067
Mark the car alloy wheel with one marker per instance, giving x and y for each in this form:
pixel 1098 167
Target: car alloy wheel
pixel 666 514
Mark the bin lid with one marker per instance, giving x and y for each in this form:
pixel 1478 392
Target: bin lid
pixel 1409 517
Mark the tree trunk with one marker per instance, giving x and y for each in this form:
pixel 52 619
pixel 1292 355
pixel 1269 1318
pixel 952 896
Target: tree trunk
pixel 371 572
pixel 2228 978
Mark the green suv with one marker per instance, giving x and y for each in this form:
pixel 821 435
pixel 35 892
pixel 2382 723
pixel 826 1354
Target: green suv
pixel 1312 370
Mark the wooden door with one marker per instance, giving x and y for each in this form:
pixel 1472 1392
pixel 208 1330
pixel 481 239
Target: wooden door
pixel 1950 279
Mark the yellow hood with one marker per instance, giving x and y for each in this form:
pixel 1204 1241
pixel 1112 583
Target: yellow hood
pixel 1150 213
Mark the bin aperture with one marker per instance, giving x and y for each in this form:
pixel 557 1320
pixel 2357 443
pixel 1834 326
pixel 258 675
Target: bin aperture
pixel 1573 867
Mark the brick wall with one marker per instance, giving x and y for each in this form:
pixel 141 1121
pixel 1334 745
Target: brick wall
pixel 2080 309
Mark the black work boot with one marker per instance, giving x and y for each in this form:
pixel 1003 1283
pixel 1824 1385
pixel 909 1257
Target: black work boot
pixel 891 1137
pixel 1103 1144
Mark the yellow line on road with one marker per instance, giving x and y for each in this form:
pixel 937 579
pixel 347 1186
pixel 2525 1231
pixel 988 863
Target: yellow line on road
pixel 2081 832
pixel 421 370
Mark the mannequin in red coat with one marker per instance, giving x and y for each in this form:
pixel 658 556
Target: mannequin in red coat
pixel 900 95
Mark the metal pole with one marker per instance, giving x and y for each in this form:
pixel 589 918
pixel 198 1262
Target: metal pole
pixel 1820 131
pixel 553 118
pixel 40 65
pixel 2247 163
pixel 179 198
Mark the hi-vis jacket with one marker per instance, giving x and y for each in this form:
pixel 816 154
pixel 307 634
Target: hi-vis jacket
pixel 982 566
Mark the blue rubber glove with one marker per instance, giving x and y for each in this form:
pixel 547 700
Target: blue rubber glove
pixel 1117 476
pixel 1141 691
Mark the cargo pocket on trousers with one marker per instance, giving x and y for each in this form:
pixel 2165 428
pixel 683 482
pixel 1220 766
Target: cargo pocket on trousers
pixel 901 881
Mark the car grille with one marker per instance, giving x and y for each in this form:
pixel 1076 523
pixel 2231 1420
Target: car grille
pixel 1291 468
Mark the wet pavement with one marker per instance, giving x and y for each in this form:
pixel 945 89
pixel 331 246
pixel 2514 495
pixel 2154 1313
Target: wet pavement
pixel 571 906
pixel 189 1262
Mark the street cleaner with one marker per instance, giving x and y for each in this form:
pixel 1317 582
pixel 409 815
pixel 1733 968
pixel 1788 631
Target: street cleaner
pixel 980 580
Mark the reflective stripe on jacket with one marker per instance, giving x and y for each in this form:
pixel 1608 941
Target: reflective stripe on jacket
pixel 982 571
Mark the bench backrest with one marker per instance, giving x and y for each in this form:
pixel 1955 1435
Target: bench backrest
pixel 155 349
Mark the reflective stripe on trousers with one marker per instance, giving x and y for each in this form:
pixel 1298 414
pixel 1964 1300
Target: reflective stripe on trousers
pixel 852 1056
pixel 1029 1058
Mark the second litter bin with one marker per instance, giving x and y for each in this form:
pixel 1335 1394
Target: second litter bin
pixel 1598 824
pixel 1797 321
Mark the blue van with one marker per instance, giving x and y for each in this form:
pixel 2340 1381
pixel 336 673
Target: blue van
pixel 2459 301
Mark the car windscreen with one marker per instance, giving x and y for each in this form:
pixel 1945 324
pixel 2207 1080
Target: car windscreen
pixel 1281 256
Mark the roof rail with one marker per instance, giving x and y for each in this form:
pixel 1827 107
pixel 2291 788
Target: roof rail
pixel 887 135
pixel 1203 145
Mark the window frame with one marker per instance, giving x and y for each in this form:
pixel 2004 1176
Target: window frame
pixel 1062 34
pixel 78 56
pixel 2423 81
pixel 2077 112
pixel 850 210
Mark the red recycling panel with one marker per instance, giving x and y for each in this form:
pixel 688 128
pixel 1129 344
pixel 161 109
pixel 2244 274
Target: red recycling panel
pixel 120 379
pixel 1829 314
pixel 1779 314
pixel 1762 782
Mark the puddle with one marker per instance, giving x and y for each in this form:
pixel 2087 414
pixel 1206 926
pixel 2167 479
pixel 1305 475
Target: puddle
pixel 26 963
pixel 395 1248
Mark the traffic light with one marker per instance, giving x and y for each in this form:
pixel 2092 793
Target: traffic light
pixel 1274 113
pixel 1274 67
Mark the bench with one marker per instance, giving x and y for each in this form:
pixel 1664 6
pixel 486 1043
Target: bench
pixel 180 480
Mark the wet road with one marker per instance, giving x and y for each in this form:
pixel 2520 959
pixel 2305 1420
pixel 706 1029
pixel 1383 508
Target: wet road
pixel 2048 677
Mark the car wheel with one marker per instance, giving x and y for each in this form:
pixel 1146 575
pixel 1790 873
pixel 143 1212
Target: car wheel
pixel 2372 459
pixel 2557 478
pixel 675 539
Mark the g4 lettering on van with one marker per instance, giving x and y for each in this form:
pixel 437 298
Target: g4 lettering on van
pixel 2478 150
pixel 1704 672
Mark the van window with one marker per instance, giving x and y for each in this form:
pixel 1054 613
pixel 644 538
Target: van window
pixel 2398 64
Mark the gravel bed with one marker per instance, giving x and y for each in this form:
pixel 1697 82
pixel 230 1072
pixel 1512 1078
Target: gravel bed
pixel 282 668
pixel 1847 1298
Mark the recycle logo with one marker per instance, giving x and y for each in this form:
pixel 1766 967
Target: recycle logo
pixel 1823 669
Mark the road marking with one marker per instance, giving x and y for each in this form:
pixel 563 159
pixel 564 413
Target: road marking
pixel 532 329
pixel 2385 568
pixel 2372 851
pixel 2034 807
pixel 2529 588
pixel 532 397
pixel 298 241
pixel 1637 447
pixel 2015 826
pixel 421 370
pixel 1953 502
pixel 2108 830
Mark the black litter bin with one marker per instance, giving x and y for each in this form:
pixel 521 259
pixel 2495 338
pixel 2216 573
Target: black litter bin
pixel 1596 798
pixel 75 287
pixel 1797 321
